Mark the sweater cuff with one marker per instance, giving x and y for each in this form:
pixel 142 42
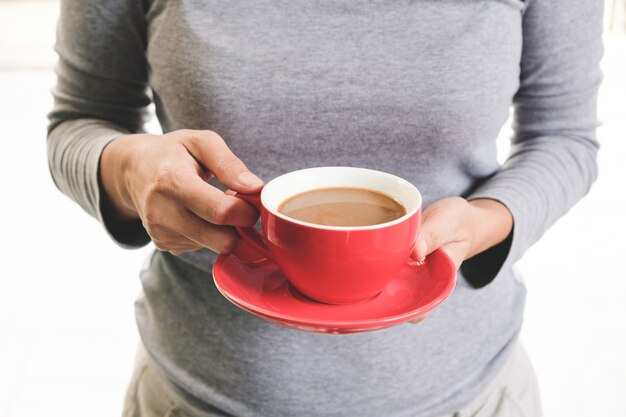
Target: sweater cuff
pixel 481 269
pixel 74 150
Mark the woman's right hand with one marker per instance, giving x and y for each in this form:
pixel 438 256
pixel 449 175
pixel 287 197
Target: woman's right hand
pixel 162 180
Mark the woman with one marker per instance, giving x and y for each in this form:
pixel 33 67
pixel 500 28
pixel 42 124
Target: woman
pixel 419 89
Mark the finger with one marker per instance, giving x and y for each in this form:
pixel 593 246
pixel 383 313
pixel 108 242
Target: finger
pixel 165 218
pixel 181 247
pixel 210 149
pixel 419 250
pixel 178 250
pixel 418 319
pixel 220 239
pixel 186 249
pixel 213 205
pixel 169 241
pixel 438 228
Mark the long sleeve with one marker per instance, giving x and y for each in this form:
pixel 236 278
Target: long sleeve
pixel 552 163
pixel 101 94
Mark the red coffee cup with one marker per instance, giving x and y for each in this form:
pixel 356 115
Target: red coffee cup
pixel 335 264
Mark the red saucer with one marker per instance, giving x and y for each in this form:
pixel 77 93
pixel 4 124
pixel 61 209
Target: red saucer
pixel 261 289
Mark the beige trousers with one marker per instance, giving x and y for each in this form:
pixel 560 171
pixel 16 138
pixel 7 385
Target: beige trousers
pixel 513 393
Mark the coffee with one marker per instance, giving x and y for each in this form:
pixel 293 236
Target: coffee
pixel 342 206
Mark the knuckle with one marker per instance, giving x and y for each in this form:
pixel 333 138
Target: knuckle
pixel 459 201
pixel 211 135
pixel 201 135
pixel 186 132
pixel 164 181
pixel 220 213
pixel 152 218
pixel 433 210
pixel 226 244
pixel 229 163
pixel 160 241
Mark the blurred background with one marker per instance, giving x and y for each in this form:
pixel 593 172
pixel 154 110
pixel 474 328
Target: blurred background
pixel 67 328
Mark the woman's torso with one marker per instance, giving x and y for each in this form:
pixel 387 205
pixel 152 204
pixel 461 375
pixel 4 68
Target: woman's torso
pixel 419 89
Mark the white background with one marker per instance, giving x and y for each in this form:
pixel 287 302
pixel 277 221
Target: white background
pixel 67 331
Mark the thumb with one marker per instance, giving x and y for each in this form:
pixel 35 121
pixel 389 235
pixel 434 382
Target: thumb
pixel 434 233
pixel 211 151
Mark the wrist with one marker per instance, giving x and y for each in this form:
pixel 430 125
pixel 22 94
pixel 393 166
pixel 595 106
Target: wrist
pixel 492 224
pixel 114 163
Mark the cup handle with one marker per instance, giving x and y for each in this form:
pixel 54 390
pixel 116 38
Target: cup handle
pixel 251 235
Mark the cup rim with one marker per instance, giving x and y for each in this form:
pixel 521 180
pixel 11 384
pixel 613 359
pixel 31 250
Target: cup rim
pixel 399 220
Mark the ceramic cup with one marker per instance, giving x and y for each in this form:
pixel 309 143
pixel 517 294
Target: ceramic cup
pixel 332 264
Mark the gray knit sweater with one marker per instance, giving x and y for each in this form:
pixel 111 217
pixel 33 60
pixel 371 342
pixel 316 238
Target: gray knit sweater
pixel 417 88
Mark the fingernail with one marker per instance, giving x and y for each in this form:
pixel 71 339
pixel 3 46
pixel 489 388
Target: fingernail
pixel 247 179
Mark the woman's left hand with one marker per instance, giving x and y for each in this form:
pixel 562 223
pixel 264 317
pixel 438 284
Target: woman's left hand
pixel 462 229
